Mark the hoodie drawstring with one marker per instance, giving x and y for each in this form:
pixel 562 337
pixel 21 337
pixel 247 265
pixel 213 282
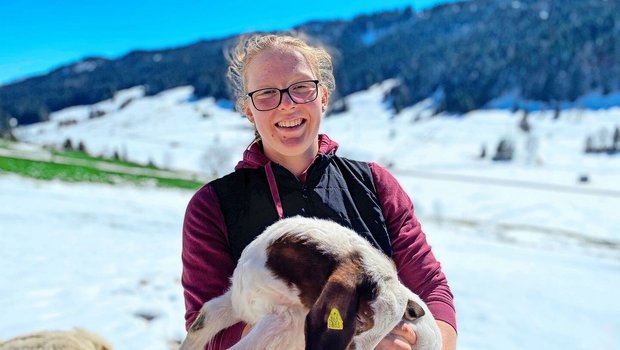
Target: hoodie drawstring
pixel 274 190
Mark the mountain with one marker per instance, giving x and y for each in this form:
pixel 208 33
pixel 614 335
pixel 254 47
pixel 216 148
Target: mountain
pixel 464 55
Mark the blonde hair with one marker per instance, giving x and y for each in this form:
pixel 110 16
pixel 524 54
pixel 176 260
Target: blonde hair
pixel 250 46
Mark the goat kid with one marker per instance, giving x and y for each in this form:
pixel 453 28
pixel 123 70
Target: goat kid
pixel 313 284
pixel 76 339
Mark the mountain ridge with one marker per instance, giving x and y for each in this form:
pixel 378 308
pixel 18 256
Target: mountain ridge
pixel 465 54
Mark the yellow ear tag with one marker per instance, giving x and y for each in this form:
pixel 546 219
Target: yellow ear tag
pixel 334 321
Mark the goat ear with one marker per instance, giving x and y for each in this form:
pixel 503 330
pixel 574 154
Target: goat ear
pixel 199 322
pixel 331 322
pixel 367 293
pixel 413 311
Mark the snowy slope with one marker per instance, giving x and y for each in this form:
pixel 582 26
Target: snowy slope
pixel 176 131
pixel 170 130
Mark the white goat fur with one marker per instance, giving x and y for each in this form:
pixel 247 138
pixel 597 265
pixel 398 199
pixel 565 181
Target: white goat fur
pixel 77 339
pixel 258 297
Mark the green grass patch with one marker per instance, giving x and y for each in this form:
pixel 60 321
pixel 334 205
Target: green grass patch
pixel 87 157
pixel 44 170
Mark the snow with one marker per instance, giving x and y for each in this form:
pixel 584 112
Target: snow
pixel 168 129
pixel 91 256
pixel 85 66
pixel 532 255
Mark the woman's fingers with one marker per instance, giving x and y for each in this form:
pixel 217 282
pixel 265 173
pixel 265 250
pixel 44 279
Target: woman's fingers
pixel 400 338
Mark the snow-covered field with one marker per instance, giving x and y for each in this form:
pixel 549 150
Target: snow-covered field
pixel 533 256
pixel 93 256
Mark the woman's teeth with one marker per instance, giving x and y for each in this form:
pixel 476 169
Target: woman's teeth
pixel 290 123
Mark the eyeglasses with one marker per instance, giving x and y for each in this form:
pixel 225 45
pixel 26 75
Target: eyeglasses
pixel 270 98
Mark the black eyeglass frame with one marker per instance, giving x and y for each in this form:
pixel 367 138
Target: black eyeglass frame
pixel 282 91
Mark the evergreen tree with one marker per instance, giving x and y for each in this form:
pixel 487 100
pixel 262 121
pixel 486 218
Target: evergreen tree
pixel 82 147
pixel 524 124
pixel 483 151
pixel 590 145
pixel 67 145
pixel 504 151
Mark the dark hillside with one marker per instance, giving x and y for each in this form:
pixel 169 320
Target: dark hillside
pixel 464 54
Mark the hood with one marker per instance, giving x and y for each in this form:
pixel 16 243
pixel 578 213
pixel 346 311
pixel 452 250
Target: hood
pixel 253 157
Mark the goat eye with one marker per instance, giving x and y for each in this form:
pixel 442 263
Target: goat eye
pixel 410 314
pixel 413 311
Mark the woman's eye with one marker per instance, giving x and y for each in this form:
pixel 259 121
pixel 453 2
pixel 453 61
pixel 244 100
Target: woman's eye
pixel 267 93
pixel 302 86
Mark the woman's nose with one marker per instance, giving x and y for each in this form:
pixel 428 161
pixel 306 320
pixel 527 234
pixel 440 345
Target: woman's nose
pixel 287 102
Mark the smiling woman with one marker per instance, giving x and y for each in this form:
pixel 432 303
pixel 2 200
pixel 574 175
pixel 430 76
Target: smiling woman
pixel 287 124
pixel 282 85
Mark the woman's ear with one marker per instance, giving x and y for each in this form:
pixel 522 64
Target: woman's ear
pixel 248 112
pixel 324 99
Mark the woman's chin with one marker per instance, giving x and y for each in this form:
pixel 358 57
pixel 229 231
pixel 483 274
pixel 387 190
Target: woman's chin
pixel 295 146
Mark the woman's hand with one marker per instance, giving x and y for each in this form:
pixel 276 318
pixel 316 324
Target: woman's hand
pixel 246 330
pixel 400 338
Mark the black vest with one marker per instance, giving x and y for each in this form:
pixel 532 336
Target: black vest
pixel 338 189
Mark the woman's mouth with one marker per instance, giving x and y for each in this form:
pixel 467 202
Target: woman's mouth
pixel 290 123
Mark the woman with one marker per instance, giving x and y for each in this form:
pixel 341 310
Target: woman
pixel 282 85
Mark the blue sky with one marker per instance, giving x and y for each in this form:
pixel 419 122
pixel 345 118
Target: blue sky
pixel 39 35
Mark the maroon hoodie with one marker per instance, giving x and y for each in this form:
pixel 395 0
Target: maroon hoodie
pixel 208 265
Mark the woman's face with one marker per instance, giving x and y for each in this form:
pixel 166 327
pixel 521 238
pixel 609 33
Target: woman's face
pixel 290 130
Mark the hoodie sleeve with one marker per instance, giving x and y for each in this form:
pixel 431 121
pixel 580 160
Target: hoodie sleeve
pixel 417 267
pixel 207 262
